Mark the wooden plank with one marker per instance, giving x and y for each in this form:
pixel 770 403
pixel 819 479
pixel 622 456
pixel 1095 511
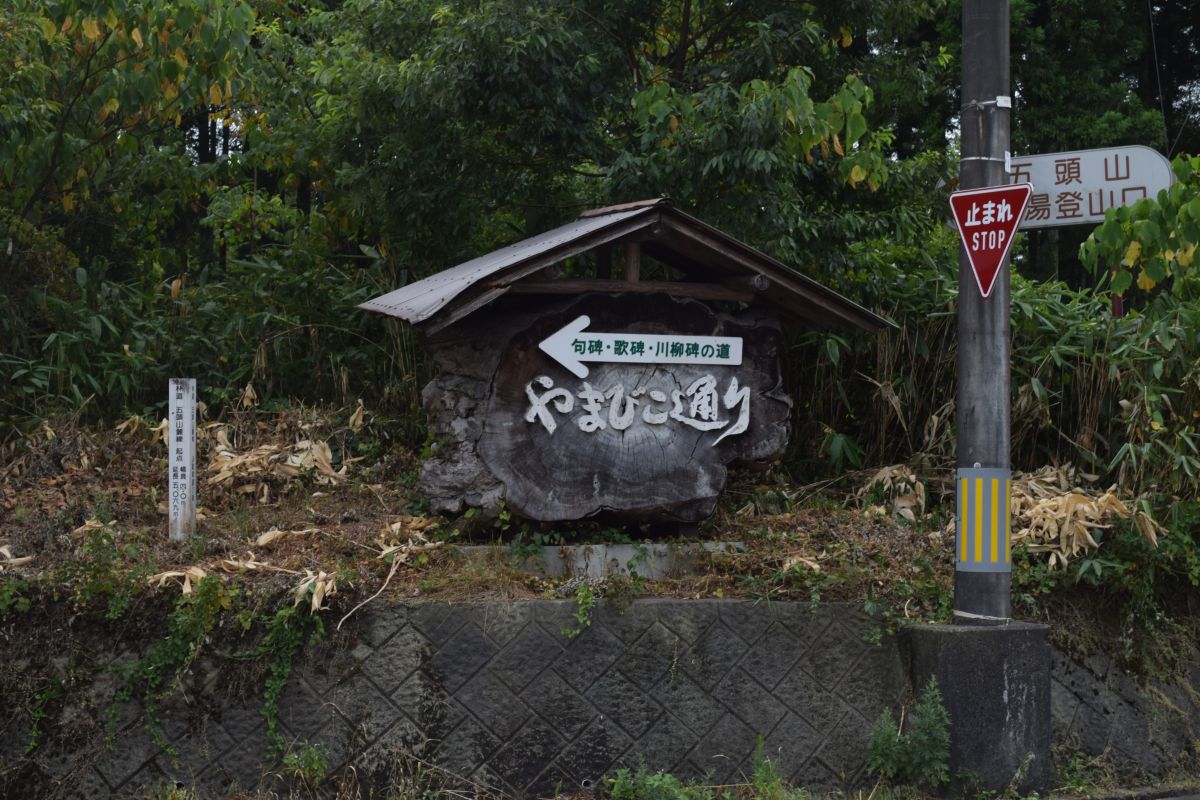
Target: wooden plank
pixel 633 262
pixel 581 245
pixel 698 291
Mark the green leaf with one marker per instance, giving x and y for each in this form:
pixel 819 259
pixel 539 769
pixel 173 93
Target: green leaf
pixel 856 126
pixel 833 351
pixel 1156 268
pixel 1121 281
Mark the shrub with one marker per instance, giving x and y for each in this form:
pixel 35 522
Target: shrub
pixel 921 753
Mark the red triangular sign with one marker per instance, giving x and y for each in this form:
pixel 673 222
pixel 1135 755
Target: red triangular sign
pixel 987 221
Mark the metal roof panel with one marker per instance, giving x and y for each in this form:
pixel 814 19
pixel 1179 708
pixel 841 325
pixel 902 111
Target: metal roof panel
pixel 419 301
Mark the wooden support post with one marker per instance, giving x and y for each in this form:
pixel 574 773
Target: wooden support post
pixel 633 262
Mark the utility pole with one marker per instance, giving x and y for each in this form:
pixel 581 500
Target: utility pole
pixel 982 591
pixel 994 673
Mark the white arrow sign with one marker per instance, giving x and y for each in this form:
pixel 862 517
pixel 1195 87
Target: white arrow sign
pixel 571 346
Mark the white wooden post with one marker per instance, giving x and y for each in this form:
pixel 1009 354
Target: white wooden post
pixel 181 458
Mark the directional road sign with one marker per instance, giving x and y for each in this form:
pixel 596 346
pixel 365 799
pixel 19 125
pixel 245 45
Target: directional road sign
pixel 987 220
pixel 572 344
pixel 1076 188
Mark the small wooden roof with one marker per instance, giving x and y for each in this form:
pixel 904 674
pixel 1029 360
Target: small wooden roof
pixel 715 265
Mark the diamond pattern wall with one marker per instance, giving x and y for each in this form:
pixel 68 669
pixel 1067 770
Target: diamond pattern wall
pixel 498 695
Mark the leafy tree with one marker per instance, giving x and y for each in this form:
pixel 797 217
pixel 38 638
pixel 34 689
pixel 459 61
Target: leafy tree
pixel 1153 241
pixel 93 82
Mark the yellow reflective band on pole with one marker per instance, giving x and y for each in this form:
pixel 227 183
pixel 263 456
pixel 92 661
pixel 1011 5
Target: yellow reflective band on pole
pixel 984 525
pixel 962 521
pixel 979 519
pixel 995 532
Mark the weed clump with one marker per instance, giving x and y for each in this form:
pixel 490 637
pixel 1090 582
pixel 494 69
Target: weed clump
pixel 918 755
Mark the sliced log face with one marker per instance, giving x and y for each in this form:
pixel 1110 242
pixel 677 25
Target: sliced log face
pixel 648 441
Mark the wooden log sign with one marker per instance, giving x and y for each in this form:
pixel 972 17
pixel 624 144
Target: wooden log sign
pixel 633 405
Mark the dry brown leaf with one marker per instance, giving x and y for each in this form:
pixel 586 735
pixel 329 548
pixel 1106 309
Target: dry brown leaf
pixel 316 455
pixel 163 432
pixel 1147 527
pixel 8 560
pixel 901 485
pixel 131 425
pixel 407 526
pixel 250 564
pixel 249 398
pixel 275 534
pixel 90 525
pixel 801 561
pixel 317 585
pixel 183 577
pixel 1054 515
pixel 357 418
pixel 265 539
pixel 202 513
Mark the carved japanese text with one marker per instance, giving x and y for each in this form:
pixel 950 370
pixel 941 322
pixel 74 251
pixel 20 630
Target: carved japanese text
pixel 701 405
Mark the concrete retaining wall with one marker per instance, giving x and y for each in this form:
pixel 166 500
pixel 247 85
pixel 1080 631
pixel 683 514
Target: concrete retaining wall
pixel 498 695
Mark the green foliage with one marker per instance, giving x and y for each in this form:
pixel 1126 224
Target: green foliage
pixel 645 785
pixel 765 781
pixel 306 765
pixel 1079 774
pixel 585 601
pixel 209 189
pixel 111 568
pixel 288 632
pixel 930 598
pixel 1082 84
pixel 621 590
pixel 96 80
pixel 191 621
pixel 920 754
pixel 1153 241
pixel 12 596
pixel 40 710
pixel 190 628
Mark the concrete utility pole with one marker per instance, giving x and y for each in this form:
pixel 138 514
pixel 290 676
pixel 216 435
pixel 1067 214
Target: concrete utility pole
pixel 994 673
pixel 982 590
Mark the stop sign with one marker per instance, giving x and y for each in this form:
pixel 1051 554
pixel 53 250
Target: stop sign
pixel 987 220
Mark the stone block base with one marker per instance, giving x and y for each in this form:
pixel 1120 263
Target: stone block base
pixel 995 682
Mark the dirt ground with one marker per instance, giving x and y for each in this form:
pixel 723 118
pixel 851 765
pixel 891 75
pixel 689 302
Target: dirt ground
pixel 304 493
